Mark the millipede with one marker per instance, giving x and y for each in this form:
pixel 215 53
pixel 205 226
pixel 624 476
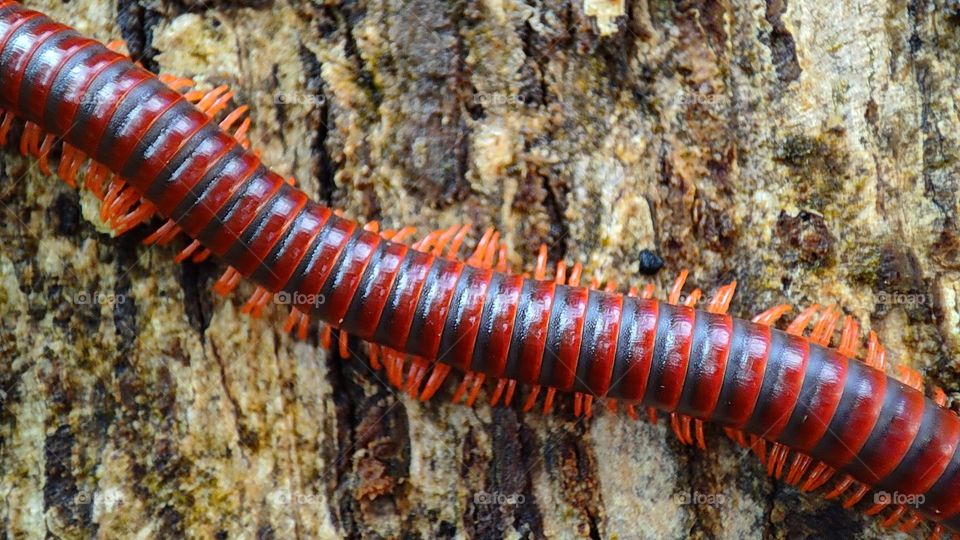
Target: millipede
pixel 800 398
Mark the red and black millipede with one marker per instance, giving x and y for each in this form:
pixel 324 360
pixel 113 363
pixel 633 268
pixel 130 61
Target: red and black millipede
pixel 804 407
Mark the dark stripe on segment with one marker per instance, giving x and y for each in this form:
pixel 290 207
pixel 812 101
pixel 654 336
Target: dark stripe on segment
pixel 496 325
pixel 342 284
pixel 941 499
pixel 142 106
pixel 564 335
pixel 179 183
pixel 712 334
pixel 892 436
pixel 354 320
pixel 70 87
pixel 279 265
pixel 264 231
pixel 230 174
pixel 248 199
pixel 635 344
pixel 463 321
pixel 6 9
pixel 261 233
pixel 43 69
pixel 746 367
pixel 264 272
pixel 598 348
pixel 155 152
pixel 365 311
pixel 16 21
pixel 398 312
pixel 101 98
pixel 10 26
pixel 304 287
pixel 671 356
pixel 432 308
pixel 782 382
pixel 318 245
pixel 818 400
pixel 855 416
pixel 930 453
pixel 529 336
pixel 413 337
pixel 49 33
pixel 13 50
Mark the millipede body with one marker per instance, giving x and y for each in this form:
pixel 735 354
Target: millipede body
pixel 825 415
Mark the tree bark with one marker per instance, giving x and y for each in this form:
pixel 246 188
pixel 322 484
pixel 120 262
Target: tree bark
pixel 808 150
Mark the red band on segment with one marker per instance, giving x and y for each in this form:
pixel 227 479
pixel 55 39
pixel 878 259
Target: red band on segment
pixel 820 407
pixel 234 176
pixel 87 134
pixel 532 339
pixel 314 218
pixel 139 121
pixel 496 325
pixel 434 308
pixel 253 194
pixel 63 112
pixel 334 236
pixel 708 365
pixel 459 338
pixel 269 227
pixel 671 357
pixel 340 287
pixel 930 464
pixel 890 442
pixel 745 373
pixel 605 348
pixel 860 407
pixel 34 104
pixel 17 20
pixel 565 334
pixel 183 180
pixel 929 457
pixel 17 52
pixel 371 308
pixel 638 333
pixel 145 170
pixel 403 299
pixel 783 380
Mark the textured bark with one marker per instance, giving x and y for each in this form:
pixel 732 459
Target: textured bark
pixel 807 149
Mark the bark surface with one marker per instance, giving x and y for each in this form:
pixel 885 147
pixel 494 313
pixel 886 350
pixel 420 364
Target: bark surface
pixel 810 150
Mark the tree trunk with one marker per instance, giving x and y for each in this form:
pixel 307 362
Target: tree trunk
pixel 810 150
